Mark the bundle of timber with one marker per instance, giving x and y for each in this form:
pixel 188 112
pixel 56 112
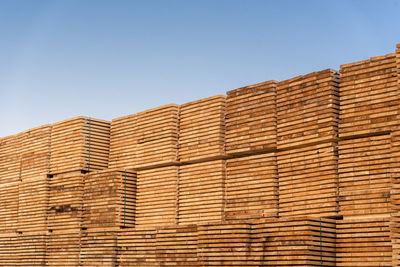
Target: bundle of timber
pixel 308 182
pixel 32 204
pixel 31 249
pixel 177 246
pixel 308 109
pixel 63 247
pixel 10 155
pixel 202 129
pixel 137 247
pixel 363 242
pixel 369 96
pixel 251 188
pixel 294 241
pixel 79 143
pixel 225 244
pixel 99 247
pixel 65 201
pixel 251 118
pixel 201 192
pixel 156 199
pixel 395 195
pixel 8 207
pixel 365 176
pixel 35 151
pixel 9 247
pixel 109 199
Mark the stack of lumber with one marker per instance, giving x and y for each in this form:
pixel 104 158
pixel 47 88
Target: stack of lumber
pixel 395 195
pixel 137 247
pixel 31 249
pixel 177 246
pixel 363 242
pixel 294 241
pixel 201 192
pixel 63 247
pixel 10 155
pixel 307 109
pixel 99 247
pixel 202 129
pixel 123 142
pixel 251 118
pixel 156 197
pixel 308 182
pixel 9 247
pixel 35 151
pixel 251 187
pixel 32 204
pixel 364 168
pixel 79 143
pixel 8 207
pixel 225 244
pixel 109 199
pixel 369 96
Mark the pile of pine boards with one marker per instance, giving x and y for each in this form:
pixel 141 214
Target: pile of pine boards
pixel 363 242
pixel 63 247
pixel 251 118
pixel 201 192
pixel 109 199
pixel 8 207
pixel 31 249
pixel 99 247
pixel 79 143
pixel 365 176
pixel 202 129
pixel 251 187
pixel 10 155
pixel 9 247
pixel 369 97
pixel 395 195
pixel 308 182
pixel 156 199
pixel 307 109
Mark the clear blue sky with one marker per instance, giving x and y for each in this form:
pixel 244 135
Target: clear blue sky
pixel 106 59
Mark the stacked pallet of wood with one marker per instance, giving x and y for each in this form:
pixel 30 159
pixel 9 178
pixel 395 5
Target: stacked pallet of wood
pixel 251 187
pixel 251 118
pixel 9 249
pixel 156 199
pixel 31 250
pixel 79 143
pixel 294 241
pixel 63 247
pixel 99 247
pixel 8 207
pixel 10 155
pixel 177 246
pixel 365 176
pixel 363 242
pixel 123 142
pixel 308 181
pixel 307 109
pixel 35 151
pixel 395 195
pixel 109 199
pixel 202 129
pixel 201 192
pixel 137 247
pixel 369 96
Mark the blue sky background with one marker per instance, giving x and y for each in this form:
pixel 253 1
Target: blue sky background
pixel 106 59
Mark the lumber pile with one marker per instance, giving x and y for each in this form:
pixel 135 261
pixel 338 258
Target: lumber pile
pixel 31 249
pixel 10 154
pixel 201 192
pixel 156 199
pixel 9 247
pixel 63 247
pixel 365 176
pixel 308 182
pixel 79 143
pixel 99 247
pixel 395 195
pixel 251 187
pixel 202 129
pixel 251 118
pixel 369 96
pixel 9 207
pixel 307 109
pixel 109 199
pixel 363 242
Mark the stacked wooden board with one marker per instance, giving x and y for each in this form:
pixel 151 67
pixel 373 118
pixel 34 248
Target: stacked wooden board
pixel 251 118
pixel 201 192
pixel 308 182
pixel 9 207
pixel 307 109
pixel 363 242
pixel 99 247
pixel 31 249
pixel 63 247
pixel 395 195
pixel 79 143
pixel 251 187
pixel 202 129
pixel 10 155
pixel 109 199
pixel 369 96
pixel 365 176
pixel 9 247
pixel 156 199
